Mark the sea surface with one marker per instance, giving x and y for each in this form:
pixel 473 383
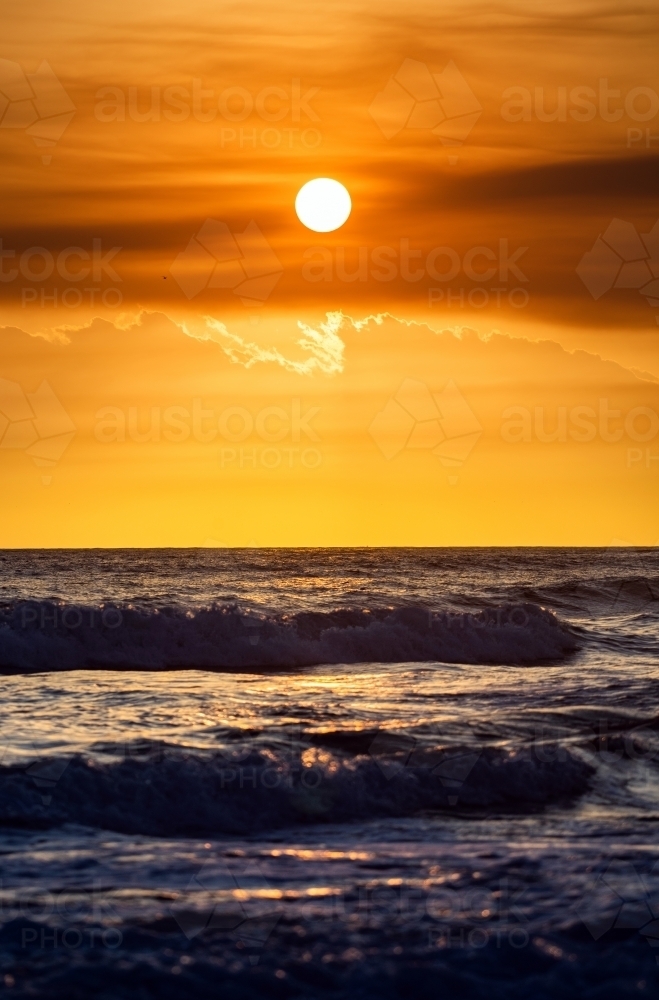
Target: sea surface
pixel 364 773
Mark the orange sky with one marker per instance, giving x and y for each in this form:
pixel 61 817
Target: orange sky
pixel 473 240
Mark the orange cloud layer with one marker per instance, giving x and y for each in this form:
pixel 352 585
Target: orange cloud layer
pixel 502 166
pixel 335 440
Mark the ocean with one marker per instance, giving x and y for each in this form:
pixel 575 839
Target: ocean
pixel 364 773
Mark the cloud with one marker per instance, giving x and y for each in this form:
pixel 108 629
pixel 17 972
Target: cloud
pixel 325 347
pixel 187 402
pixel 627 178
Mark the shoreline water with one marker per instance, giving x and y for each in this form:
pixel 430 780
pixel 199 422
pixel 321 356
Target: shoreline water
pixel 372 828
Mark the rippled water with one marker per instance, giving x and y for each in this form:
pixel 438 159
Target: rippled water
pixel 400 771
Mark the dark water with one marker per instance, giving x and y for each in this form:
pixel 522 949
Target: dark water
pixel 308 773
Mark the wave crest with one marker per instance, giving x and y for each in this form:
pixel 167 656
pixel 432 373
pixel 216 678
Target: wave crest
pixel 51 636
pixel 183 793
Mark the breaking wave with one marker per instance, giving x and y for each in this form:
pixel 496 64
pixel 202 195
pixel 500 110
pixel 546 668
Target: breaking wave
pixel 187 793
pixel 48 635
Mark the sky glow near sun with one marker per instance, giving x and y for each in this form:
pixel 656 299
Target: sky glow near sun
pixel 336 290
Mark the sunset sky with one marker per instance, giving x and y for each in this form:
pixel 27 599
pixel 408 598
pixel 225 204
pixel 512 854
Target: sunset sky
pixel 471 359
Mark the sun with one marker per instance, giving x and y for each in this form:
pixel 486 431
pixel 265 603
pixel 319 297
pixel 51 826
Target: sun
pixel 323 205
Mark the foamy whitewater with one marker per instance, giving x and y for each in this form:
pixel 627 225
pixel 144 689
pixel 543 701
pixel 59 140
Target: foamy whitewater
pixel 330 773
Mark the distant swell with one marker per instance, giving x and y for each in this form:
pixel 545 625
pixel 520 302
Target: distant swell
pixel 187 794
pixel 37 636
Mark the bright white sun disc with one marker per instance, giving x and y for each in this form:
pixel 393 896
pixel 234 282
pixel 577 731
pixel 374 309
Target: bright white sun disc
pixel 323 205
